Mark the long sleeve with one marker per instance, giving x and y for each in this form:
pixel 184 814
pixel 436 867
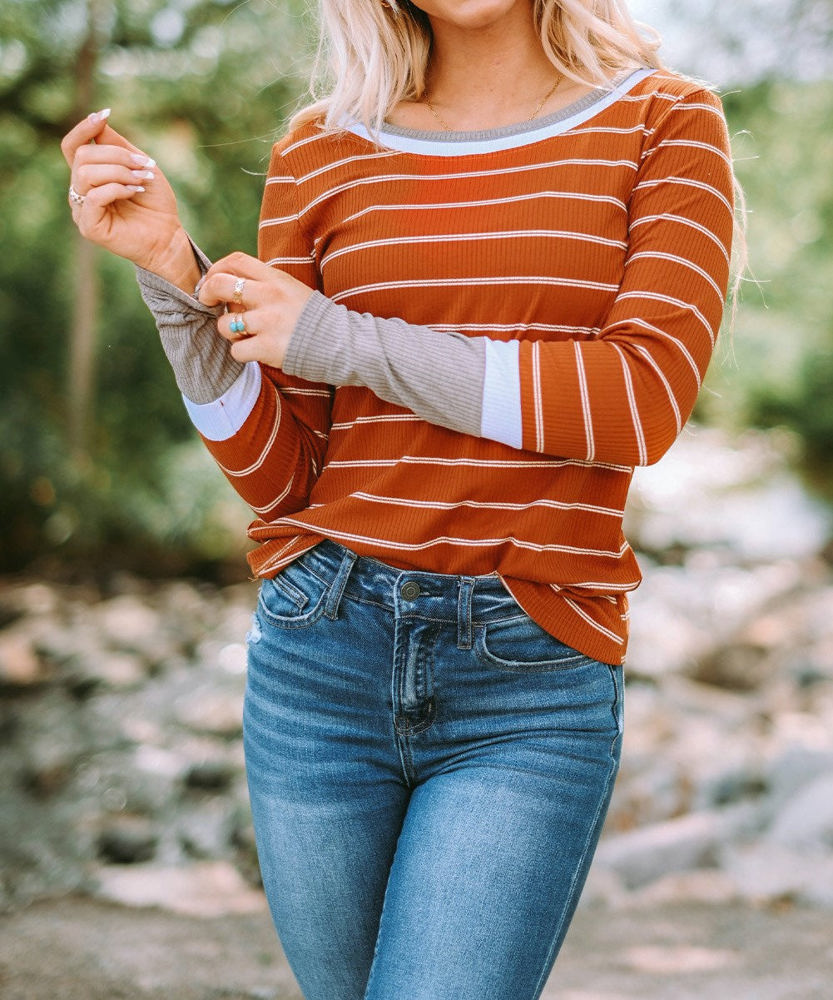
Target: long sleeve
pixel 621 397
pixel 199 357
pixel 268 432
pixel 625 395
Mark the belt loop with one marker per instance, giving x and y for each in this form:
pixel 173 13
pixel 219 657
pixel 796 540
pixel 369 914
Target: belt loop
pixel 339 583
pixel 464 630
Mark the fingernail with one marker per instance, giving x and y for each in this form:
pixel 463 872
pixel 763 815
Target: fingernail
pixel 142 160
pixel 142 175
pixel 135 188
pixel 100 116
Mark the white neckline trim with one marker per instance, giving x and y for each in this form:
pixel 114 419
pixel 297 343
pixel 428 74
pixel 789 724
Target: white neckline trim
pixel 473 143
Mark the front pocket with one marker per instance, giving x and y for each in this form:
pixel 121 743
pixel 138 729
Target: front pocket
pixel 520 644
pixel 293 599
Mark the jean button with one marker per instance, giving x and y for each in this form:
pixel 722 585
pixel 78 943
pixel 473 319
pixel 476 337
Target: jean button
pixel 410 591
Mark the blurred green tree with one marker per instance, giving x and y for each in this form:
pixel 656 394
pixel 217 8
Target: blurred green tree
pixel 205 85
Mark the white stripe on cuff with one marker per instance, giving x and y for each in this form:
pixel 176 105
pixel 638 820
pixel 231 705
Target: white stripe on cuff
pixel 501 417
pixel 222 418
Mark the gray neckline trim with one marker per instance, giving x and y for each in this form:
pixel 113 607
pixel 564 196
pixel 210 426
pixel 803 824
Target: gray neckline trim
pixel 451 144
pixel 504 131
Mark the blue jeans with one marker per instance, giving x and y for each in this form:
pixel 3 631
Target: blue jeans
pixel 429 773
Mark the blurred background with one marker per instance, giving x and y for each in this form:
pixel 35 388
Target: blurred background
pixel 124 596
pixel 94 440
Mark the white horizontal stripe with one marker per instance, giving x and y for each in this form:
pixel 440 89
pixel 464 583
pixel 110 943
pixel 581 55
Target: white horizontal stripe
pixel 383 418
pixel 686 182
pixel 467 175
pixel 663 95
pixel 669 300
pixel 509 234
pixel 465 542
pixel 683 222
pixel 278 500
pixel 591 621
pixel 292 390
pixel 478 463
pixel 258 462
pixel 223 418
pixel 283 221
pixel 280 179
pixel 600 585
pixel 318 136
pixel 693 144
pixel 457 282
pixel 488 203
pixel 684 261
pixel 484 505
pixel 309 259
pixel 336 164
pixel 585 331
pixel 281 558
pixel 694 106
pixel 610 130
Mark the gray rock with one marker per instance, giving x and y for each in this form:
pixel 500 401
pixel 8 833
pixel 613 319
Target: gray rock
pixel 806 820
pixel 769 873
pixel 203 889
pixel 128 840
pixel 682 844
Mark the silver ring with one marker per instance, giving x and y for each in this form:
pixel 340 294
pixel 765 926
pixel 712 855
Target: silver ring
pixel 237 294
pixel 75 197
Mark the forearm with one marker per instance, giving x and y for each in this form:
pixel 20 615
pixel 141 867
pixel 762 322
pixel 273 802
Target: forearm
pixel 438 376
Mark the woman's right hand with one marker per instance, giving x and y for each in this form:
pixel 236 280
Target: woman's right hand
pixel 128 206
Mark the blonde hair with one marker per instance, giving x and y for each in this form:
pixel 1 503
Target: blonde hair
pixel 374 53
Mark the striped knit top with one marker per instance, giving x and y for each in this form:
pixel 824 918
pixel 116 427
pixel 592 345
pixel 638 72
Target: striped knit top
pixel 511 320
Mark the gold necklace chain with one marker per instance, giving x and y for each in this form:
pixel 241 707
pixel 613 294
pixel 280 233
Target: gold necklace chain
pixel 534 114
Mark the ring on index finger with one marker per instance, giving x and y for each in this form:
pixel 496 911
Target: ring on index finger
pixel 237 294
pixel 75 198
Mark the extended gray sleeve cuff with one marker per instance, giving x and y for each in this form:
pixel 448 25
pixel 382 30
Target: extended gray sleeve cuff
pixel 438 376
pixel 201 360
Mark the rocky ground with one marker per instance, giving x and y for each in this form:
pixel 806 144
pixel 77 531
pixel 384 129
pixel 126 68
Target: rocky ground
pixel 127 867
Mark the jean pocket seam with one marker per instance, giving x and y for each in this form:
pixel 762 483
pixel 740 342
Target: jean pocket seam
pixel 309 616
pixel 571 659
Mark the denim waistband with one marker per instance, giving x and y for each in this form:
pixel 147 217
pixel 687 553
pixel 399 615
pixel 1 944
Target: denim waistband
pixel 438 596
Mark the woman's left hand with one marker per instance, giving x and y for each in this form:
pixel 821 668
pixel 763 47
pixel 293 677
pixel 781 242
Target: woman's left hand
pixel 264 305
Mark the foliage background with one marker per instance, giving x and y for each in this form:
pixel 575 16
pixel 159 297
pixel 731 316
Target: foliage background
pixel 98 466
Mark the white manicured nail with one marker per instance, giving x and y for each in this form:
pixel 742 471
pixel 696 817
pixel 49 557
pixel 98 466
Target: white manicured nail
pixel 135 188
pixel 142 160
pixel 142 175
pixel 100 116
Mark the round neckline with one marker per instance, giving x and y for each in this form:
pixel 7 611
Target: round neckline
pixel 501 131
pixel 398 138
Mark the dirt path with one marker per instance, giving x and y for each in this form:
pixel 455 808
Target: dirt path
pixel 79 949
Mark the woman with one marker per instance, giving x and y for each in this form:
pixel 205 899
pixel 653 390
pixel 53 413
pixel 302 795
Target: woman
pixel 493 264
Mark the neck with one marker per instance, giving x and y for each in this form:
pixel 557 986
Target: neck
pixel 492 75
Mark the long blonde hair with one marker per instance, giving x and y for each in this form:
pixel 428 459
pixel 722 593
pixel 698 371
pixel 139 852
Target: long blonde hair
pixel 374 53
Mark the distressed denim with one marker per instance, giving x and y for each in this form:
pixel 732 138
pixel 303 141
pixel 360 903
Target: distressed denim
pixel 429 773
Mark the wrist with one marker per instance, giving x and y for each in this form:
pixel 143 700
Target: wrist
pixel 177 263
